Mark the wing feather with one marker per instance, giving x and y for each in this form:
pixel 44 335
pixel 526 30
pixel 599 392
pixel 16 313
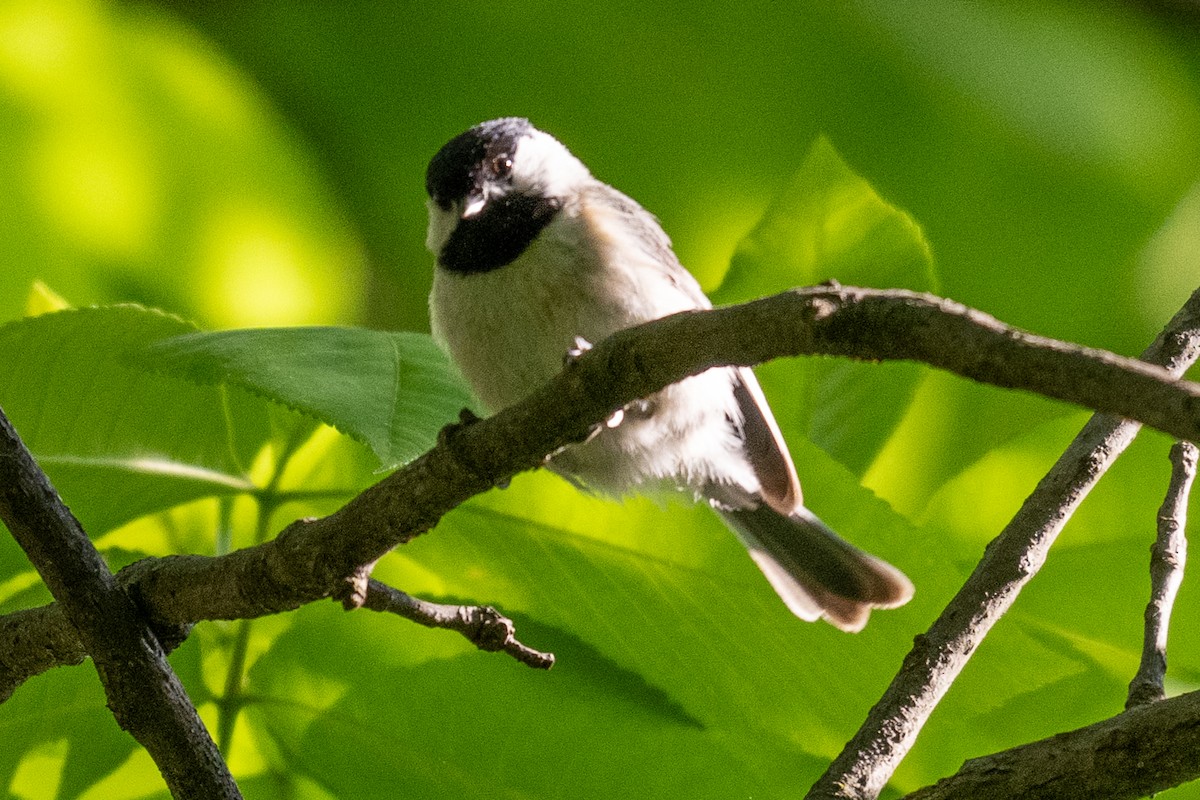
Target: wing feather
pixel 765 447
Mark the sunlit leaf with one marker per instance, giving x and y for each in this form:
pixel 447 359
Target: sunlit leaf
pixel 668 594
pixel 392 391
pixel 64 704
pixel 319 697
pixel 118 441
pixel 44 300
pixel 150 169
pixel 829 223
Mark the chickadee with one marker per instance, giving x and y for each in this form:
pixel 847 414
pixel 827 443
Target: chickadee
pixel 535 258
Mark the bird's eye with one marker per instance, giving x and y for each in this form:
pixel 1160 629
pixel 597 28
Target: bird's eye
pixel 502 165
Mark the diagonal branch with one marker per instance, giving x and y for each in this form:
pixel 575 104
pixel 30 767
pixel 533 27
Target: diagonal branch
pixel 143 692
pixel 312 559
pixel 872 755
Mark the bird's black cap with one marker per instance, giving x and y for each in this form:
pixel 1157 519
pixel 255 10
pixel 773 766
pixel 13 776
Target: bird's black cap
pixel 454 171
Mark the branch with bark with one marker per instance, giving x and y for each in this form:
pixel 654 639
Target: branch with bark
pixel 329 557
pixel 870 758
pixel 483 626
pixel 1153 746
pixel 1144 750
pixel 143 692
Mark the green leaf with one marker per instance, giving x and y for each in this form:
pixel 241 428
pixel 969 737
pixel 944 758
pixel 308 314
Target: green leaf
pixel 421 706
pixel 391 391
pixel 44 300
pixel 1062 657
pixel 119 442
pixel 828 223
pixel 670 596
pixel 63 704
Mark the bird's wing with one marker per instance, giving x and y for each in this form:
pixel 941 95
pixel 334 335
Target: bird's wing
pixel 652 240
pixel 765 447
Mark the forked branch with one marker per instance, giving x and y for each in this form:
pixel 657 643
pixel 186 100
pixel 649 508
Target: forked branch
pixel 311 559
pixel 870 758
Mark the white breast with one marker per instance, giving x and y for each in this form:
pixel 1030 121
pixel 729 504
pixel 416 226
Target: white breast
pixel 509 330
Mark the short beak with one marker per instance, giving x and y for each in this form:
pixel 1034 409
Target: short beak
pixel 474 203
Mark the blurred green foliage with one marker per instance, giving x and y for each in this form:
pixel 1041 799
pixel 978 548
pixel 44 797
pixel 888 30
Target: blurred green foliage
pixel 261 164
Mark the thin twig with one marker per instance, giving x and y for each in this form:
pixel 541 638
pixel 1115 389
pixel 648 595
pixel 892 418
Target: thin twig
pixel 483 626
pixel 1168 555
pixel 870 758
pixel 143 692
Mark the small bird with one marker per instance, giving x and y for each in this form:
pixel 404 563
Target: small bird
pixel 536 259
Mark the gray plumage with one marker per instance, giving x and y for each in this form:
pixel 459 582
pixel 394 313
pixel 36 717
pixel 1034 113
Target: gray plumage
pixel 533 255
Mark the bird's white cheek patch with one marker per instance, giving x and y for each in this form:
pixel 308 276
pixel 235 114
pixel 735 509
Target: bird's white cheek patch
pixel 544 166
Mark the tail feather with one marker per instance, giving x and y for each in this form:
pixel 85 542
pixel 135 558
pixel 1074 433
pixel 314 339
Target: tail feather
pixel 814 571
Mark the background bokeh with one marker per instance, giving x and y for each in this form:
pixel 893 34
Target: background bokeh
pixel 262 164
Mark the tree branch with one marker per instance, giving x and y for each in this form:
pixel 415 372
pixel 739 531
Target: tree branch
pixel 312 559
pixel 870 758
pixel 143 692
pixel 32 641
pixel 1168 555
pixel 483 626
pixel 1144 750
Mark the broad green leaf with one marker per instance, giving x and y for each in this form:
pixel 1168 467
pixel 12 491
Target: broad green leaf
pixel 669 595
pixel 117 441
pixel 828 223
pixel 62 705
pixel 391 391
pixel 338 692
pixel 1071 695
